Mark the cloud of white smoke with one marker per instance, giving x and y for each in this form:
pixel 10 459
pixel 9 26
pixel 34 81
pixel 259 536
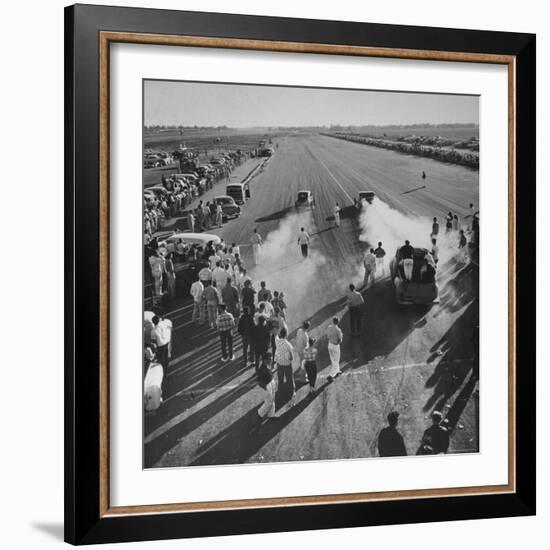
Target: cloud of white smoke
pixel 379 222
pixel 284 269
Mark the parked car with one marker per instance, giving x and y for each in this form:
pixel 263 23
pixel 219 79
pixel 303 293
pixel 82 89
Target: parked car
pixel 304 199
pixel 230 208
pixel 158 190
pixel 202 239
pixel 421 289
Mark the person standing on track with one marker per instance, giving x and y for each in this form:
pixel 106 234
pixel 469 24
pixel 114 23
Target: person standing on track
pixel 369 263
pixel 335 337
pixel 310 365
pixel 337 215
pixel 246 328
pixel 256 241
pixel 380 253
pixel 435 251
pixel 303 241
pixel 162 335
pixel 225 323
pixel 355 302
pixel 406 253
pixel 197 289
pixel 284 355
pixel 435 228
pixel 212 298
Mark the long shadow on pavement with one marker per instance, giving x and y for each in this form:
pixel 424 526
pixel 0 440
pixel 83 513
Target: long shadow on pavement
pixel 154 450
pixel 247 435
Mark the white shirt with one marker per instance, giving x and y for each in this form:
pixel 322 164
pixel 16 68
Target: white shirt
pixel 220 275
pixel 303 238
pixel 162 333
pixel 256 239
pixel 196 291
pixel 370 260
pixel 213 259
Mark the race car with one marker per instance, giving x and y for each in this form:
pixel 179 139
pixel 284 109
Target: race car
pixel 304 199
pixel 367 196
pixel 422 288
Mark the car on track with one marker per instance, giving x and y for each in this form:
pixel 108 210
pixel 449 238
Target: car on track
pixel 304 199
pixel 230 208
pixel 239 192
pixel 367 196
pixel 422 288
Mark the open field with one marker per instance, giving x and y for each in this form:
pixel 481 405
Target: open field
pixel 412 359
pixel 448 132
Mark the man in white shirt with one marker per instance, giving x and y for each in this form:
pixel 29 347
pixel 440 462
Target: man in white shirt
pixel 370 266
pixel 162 335
pixel 303 241
pixel 337 215
pixel 256 241
pixel 213 260
pixel 334 336
pixel 157 267
pixel 197 288
pixel 219 276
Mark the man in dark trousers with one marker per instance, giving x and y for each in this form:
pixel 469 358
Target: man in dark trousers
pixel 246 329
pixel 436 438
pixel 390 441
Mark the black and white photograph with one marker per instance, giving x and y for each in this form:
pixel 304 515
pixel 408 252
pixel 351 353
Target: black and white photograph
pixel 310 274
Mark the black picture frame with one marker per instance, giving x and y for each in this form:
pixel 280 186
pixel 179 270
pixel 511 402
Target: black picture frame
pixel 84 524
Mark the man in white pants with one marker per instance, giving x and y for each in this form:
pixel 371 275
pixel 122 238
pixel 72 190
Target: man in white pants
pixel 406 253
pixel 335 336
pixel 256 241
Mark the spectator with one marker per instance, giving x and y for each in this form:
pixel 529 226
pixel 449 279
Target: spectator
pixel 205 275
pixel 435 228
pixel 275 324
pixel 284 355
pixel 214 260
pixel 379 253
pixel 230 297
pixel 264 294
pixel 302 339
pixel 197 290
pixel 248 296
pixel 219 215
pixel 310 365
pixel 191 221
pixel 337 215
pixel 162 336
pixel 246 329
pixel 435 439
pixel 225 324
pixel 156 261
pixel 170 275
pixel 369 263
pixel 266 382
pixel 219 276
pixel 212 298
pixel 256 241
pixel 355 302
pixel 262 339
pixel 435 251
pixel 390 441
pixel 278 302
pixel 335 336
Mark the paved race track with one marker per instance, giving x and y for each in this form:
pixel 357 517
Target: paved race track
pixel 412 359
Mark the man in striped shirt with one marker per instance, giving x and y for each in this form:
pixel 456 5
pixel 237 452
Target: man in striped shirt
pixel 225 324
pixel 283 358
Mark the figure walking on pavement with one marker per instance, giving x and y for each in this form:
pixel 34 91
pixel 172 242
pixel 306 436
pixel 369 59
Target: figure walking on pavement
pixel 335 337
pixel 303 241
pixel 284 355
pixel 246 329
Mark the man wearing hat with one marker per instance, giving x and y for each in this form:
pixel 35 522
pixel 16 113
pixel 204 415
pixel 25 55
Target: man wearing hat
pixel 390 441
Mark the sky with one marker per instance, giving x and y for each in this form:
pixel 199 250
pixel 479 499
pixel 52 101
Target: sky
pixel 241 106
